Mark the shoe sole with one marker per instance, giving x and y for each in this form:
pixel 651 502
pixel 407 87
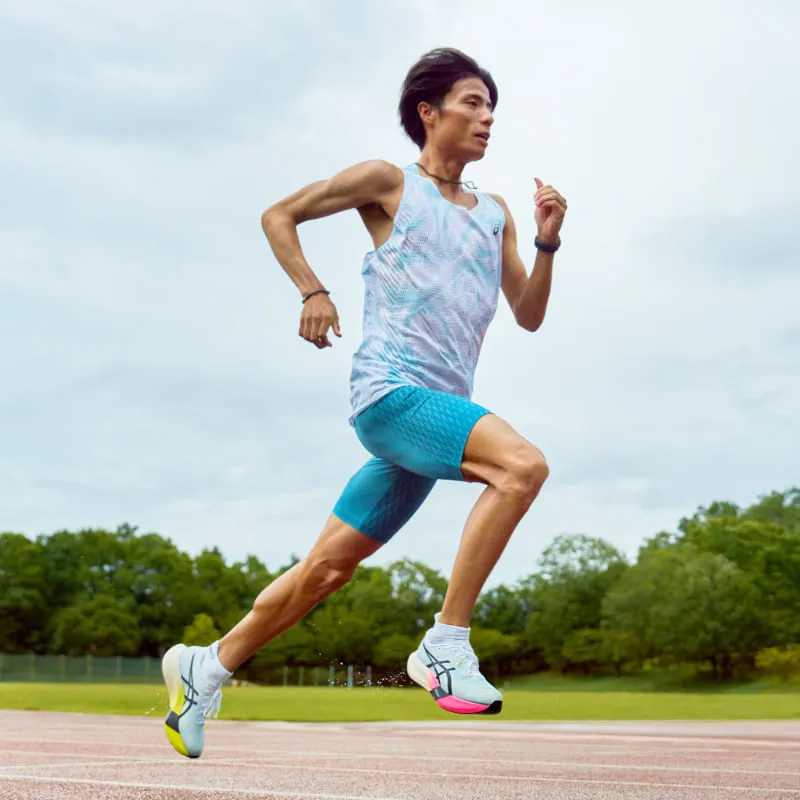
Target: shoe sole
pixel 427 680
pixel 171 670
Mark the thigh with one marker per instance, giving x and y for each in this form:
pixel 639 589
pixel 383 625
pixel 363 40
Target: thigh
pixel 421 430
pixel 381 498
pixel 494 448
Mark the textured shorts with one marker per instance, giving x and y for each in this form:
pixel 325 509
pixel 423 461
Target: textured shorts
pixel 416 437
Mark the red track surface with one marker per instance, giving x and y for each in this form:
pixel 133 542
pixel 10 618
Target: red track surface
pixel 69 756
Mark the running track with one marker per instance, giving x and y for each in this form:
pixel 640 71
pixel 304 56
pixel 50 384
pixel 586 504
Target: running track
pixel 70 756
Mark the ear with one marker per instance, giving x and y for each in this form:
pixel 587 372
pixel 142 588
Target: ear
pixel 427 112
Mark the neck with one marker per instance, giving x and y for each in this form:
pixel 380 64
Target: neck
pixel 445 167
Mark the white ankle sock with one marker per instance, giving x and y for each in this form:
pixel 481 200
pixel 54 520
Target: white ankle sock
pixel 216 671
pixel 441 633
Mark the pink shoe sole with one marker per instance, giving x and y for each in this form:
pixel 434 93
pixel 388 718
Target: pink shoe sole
pixel 425 678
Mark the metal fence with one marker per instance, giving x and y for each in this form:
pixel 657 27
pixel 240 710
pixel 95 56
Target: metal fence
pixel 91 669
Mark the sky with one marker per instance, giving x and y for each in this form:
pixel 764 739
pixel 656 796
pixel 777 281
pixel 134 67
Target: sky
pixel 153 374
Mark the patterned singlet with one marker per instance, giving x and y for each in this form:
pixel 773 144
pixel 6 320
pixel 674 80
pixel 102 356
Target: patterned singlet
pixel 431 291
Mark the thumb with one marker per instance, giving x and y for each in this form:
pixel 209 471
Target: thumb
pixel 336 329
pixel 539 183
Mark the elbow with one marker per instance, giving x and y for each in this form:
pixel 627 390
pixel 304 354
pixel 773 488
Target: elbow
pixel 268 219
pixel 274 217
pixel 530 324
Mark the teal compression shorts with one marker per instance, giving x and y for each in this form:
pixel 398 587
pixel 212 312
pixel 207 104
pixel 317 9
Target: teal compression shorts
pixel 416 437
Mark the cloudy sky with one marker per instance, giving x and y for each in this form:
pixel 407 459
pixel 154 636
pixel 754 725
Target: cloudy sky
pixel 148 339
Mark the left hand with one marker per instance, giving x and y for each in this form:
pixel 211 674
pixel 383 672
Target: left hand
pixel 550 210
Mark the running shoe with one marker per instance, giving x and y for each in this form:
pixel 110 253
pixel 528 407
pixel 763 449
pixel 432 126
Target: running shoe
pixel 450 672
pixel 193 698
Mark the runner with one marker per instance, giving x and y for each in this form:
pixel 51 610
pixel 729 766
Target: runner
pixel 442 253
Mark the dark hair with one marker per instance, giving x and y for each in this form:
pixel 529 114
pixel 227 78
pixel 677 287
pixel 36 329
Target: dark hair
pixel 429 81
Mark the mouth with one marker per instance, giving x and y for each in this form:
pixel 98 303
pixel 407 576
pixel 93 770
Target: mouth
pixel 483 136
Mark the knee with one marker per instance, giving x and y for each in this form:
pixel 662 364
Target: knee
pixel 526 471
pixel 325 572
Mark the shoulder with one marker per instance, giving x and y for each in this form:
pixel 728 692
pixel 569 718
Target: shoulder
pixel 383 175
pixel 508 220
pixel 502 203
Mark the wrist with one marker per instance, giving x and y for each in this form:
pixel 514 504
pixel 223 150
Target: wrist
pixel 305 287
pixel 547 243
pixel 314 293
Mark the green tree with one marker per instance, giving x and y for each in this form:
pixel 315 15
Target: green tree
pixel 393 650
pixel 101 625
pixel 685 606
pixel 778 508
pixel 201 632
pixel 586 647
pixel 505 608
pixel 343 635
pixel 160 581
pixel 496 651
pixel 770 554
pixel 418 593
pixel 576 574
pixel 780 662
pixel 23 594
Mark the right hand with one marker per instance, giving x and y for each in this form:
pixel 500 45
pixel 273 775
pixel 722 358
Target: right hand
pixel 319 315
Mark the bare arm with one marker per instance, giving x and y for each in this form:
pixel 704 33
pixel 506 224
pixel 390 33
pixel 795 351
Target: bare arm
pixel 527 296
pixel 369 182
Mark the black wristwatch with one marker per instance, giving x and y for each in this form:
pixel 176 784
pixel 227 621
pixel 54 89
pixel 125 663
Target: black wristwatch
pixel 545 247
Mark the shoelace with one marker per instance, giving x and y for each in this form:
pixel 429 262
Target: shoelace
pixel 212 705
pixel 464 657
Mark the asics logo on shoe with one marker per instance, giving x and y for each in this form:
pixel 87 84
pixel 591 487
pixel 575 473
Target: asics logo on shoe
pixel 440 669
pixel 190 694
pixel 190 698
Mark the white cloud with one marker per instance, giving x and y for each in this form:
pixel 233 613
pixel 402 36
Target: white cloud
pixel 149 337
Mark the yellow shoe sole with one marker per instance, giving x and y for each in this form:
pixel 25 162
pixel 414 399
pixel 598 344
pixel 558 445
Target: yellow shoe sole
pixel 171 670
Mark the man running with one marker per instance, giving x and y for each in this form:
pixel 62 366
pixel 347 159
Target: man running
pixel 442 252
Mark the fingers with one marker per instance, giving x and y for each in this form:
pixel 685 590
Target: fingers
pixel 548 197
pixel 319 328
pixel 544 193
pixel 315 324
pixel 553 202
pixel 320 342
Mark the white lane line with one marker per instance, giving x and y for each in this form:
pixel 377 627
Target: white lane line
pixel 45 754
pixel 81 764
pixel 267 760
pixel 323 796
pixel 270 760
pixel 225 746
pixel 382 771
pixel 175 787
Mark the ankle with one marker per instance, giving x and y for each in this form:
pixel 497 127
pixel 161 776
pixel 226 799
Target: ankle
pixel 443 632
pixel 216 669
pixel 455 620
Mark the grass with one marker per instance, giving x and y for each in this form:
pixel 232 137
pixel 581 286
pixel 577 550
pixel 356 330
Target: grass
pixel 325 704
pixel 671 680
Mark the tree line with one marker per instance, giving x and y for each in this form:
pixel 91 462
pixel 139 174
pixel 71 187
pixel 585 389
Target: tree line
pixel 723 591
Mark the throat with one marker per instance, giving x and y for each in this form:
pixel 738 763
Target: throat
pixel 457 192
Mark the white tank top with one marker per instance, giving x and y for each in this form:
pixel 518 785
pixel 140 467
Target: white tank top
pixel 431 291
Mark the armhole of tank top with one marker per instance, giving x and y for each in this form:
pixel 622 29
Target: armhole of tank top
pixel 400 206
pixel 492 203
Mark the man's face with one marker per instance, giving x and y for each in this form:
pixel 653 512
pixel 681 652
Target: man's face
pixel 463 122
